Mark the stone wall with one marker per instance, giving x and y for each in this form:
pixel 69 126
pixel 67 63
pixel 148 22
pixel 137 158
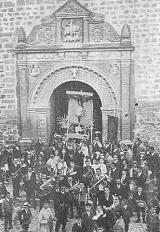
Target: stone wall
pixel 142 15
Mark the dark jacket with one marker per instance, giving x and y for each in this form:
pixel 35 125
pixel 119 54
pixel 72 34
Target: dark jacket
pixel 139 197
pixel 3 191
pixel 133 204
pixel 103 201
pixel 25 217
pixel 120 192
pixel 87 222
pixel 76 228
pixel 30 184
pixel 7 206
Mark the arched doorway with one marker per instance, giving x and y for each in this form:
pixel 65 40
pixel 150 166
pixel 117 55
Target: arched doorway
pixel 59 104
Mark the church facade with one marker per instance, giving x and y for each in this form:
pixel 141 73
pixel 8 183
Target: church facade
pixel 74 45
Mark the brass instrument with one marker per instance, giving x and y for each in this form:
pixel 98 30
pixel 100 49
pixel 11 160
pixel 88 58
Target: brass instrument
pixel 99 181
pixel 73 187
pixel 47 183
pixel 14 175
pixel 87 173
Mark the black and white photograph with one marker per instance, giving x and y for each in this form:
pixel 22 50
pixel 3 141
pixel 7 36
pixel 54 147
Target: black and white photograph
pixel 79 115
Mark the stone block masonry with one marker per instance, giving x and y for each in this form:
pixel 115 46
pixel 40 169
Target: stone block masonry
pixel 142 15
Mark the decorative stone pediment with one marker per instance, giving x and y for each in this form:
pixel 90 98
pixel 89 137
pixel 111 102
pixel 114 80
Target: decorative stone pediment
pixel 72 7
pixel 73 25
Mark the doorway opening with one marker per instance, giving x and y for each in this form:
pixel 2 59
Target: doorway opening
pixel 59 105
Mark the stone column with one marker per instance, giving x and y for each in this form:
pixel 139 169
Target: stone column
pixel 42 122
pixel 22 94
pixel 132 101
pixel 58 31
pixel 86 30
pixel 125 95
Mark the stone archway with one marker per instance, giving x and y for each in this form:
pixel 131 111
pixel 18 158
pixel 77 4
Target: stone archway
pixel 38 107
pixel 49 79
pixel 59 105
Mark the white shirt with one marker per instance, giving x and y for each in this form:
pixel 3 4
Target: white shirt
pixel 53 161
pixel 63 167
pixel 103 168
pixel 95 166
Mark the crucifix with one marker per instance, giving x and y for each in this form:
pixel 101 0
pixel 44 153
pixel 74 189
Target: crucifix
pixel 80 110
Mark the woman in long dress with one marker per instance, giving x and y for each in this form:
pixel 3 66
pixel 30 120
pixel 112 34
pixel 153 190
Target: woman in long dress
pixel 45 219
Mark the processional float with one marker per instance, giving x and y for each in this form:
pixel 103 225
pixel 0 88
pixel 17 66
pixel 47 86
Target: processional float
pixel 80 115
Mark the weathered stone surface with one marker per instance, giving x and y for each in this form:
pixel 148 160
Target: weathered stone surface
pixel 143 18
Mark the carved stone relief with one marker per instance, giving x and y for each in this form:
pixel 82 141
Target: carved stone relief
pixel 114 69
pixel 98 34
pixel 73 7
pixel 34 70
pixel 72 30
pixel 42 35
pixel 104 32
pixel 74 72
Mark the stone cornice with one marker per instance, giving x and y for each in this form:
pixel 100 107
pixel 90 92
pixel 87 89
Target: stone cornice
pixel 80 47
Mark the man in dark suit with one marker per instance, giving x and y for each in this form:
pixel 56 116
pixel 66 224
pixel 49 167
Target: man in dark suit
pixel 78 157
pixel 16 178
pixel 61 209
pixel 120 190
pixel 105 201
pixel 114 173
pixel 140 178
pixel 70 182
pixel 126 213
pixel 30 185
pixel 3 192
pixel 7 209
pixel 141 201
pixel 87 173
pixel 77 226
pixel 25 217
pixel 87 221
pixel 105 198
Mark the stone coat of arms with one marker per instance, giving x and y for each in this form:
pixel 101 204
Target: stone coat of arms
pixel 71 30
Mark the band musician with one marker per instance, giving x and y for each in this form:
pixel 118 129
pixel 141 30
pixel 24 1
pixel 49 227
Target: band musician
pixel 72 187
pixel 83 196
pixel 16 178
pixel 61 208
pixel 30 185
pixel 97 183
pixel 45 189
pixel 87 173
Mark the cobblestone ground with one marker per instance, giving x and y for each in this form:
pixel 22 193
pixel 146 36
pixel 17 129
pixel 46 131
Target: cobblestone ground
pixel 18 204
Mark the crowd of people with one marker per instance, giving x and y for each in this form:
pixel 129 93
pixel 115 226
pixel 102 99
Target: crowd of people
pixel 104 187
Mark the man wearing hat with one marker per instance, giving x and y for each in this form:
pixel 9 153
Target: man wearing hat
pixel 25 217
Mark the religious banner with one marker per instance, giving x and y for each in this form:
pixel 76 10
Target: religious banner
pixel 80 108
pixel 112 128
